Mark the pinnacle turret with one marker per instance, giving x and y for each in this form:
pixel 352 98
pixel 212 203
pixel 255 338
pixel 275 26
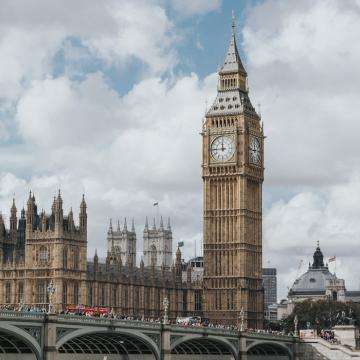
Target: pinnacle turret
pixel 132 226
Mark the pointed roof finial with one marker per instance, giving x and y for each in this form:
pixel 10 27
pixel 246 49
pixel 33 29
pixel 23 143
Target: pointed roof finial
pixel 318 243
pixel 232 62
pixel 146 224
pixel 154 225
pixel 125 225
pixel 110 225
pixel 161 223
pixel 118 225
pixel 132 225
pixel 168 224
pixel 233 20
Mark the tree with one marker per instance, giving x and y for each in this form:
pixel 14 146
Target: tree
pixel 321 314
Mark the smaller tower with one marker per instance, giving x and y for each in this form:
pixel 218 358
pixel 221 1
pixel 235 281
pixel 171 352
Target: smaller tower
pixel 30 213
pixel 83 216
pixel 157 245
pixel 59 214
pixel 122 244
pixel 13 223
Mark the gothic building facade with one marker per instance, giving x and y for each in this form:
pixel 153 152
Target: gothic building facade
pixel 40 248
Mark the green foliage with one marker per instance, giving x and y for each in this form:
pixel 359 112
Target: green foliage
pixel 321 314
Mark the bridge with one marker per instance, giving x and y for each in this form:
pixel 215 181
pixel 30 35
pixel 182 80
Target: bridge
pixel 38 336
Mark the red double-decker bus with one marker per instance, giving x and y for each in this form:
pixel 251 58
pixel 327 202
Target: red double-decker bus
pixel 85 310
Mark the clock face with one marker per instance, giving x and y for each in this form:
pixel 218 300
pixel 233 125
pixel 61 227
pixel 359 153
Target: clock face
pixel 222 148
pixel 254 150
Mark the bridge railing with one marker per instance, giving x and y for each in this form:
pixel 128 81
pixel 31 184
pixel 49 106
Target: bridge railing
pixel 10 314
pixel 268 335
pixel 202 329
pixel 108 321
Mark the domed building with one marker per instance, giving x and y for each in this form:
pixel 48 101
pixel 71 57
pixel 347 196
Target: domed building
pixel 316 283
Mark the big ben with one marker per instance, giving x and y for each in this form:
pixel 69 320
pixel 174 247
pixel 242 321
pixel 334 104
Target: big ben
pixel 233 172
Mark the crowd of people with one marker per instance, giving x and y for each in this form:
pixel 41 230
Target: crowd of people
pixel 329 336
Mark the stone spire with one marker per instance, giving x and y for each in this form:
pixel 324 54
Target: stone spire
pixel 83 216
pixel 168 225
pixel 125 226
pixel 146 224
pixel 13 221
pixel 154 225
pixel 30 213
pixel 71 220
pixel 132 226
pixel 232 62
pixel 161 224
pixel 110 227
pixel 118 226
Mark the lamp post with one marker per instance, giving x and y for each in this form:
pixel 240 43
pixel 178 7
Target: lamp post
pixel 242 314
pixel 51 290
pixel 296 325
pixel 166 307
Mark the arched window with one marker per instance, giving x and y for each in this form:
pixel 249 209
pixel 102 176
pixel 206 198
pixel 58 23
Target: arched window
pixel 65 258
pixel 64 300
pixel 153 255
pixel 75 259
pixel 43 255
pixel 76 294
pixel 42 292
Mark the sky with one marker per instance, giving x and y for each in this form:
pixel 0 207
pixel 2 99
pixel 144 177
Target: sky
pixel 107 98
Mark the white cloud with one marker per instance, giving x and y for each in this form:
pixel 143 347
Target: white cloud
pixel 189 7
pixel 116 32
pixel 331 216
pixel 303 69
pixel 123 152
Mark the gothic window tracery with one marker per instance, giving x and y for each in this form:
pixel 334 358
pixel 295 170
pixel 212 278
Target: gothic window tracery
pixel 43 255
pixel 153 255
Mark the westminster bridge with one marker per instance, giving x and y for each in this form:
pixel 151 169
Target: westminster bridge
pixel 39 336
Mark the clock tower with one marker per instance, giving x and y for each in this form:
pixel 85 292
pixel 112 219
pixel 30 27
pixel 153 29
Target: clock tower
pixel 233 172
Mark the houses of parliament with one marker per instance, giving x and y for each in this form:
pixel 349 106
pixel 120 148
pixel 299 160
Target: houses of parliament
pixel 40 247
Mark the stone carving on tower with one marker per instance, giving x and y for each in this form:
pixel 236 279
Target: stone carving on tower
pixel 122 244
pixel 157 245
pixel 233 155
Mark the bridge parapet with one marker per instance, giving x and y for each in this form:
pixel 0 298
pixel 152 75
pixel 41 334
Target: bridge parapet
pixel 206 330
pixel 21 315
pixel 96 321
pixel 269 336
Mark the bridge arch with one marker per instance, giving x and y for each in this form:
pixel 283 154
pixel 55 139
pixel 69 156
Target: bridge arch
pixel 272 350
pixel 17 340
pixel 202 346
pixel 103 341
